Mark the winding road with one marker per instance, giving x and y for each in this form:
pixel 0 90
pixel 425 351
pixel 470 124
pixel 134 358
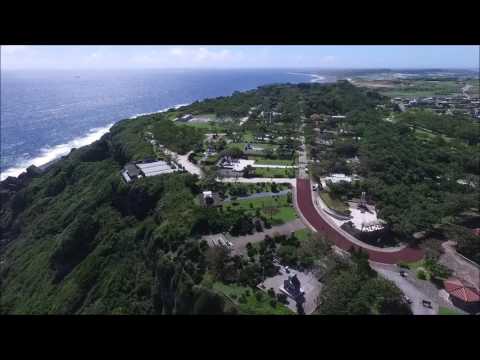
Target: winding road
pixel 319 222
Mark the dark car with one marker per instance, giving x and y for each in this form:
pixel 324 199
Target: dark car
pixel 427 304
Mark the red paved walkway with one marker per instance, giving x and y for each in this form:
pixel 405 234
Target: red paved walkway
pixel 305 204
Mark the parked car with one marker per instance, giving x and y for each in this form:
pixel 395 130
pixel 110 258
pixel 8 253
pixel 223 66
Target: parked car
pixel 408 300
pixel 403 273
pixel 427 304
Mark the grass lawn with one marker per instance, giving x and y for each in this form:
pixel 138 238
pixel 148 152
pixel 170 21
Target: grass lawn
pixel 447 311
pixel 256 188
pixel 257 302
pixel 248 136
pixel 275 208
pixel 207 127
pixel 274 173
pixel 416 265
pixel 424 88
pixel 303 234
pixel 422 134
pixel 241 145
pixel 333 203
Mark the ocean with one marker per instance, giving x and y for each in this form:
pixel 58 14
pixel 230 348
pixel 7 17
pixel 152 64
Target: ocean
pixel 44 114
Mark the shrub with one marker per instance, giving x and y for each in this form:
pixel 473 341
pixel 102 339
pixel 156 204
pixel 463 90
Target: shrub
pixel 271 292
pixel 421 274
pixel 282 298
pixel 258 225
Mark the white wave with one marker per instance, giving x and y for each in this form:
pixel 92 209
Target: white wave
pixel 314 77
pixel 159 111
pixel 48 154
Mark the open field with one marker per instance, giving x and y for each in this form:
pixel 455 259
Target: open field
pixel 241 145
pixel 275 208
pixel 256 302
pixel 447 311
pixel 303 234
pixel 423 88
pixel 208 127
pixel 274 172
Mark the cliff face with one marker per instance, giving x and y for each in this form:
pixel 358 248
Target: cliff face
pixel 12 202
pixel 76 239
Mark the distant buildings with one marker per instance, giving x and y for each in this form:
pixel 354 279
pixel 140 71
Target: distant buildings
pixel 336 179
pixel 441 104
pixel 237 165
pixel 184 118
pixel 133 171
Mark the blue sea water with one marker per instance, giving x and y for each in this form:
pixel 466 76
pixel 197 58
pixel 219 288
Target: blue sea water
pixel 44 114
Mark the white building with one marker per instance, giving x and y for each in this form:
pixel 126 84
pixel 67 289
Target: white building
pixel 156 168
pixel 236 164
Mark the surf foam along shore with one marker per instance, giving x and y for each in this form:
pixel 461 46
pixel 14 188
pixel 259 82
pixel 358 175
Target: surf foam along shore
pixel 314 77
pixel 159 111
pixel 50 154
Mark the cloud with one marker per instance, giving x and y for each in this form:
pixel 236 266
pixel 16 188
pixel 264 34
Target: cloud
pixel 188 56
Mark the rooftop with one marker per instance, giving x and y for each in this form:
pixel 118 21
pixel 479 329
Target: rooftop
pixel 155 168
pixel 457 288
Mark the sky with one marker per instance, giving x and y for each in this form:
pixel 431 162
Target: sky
pixel 22 57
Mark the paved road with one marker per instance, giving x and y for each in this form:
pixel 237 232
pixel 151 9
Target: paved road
pixel 183 160
pixel 321 222
pixel 302 161
pixel 465 89
pixel 462 268
pixel 240 242
pixel 274 166
pixel 189 166
pixel 414 293
pixel 291 181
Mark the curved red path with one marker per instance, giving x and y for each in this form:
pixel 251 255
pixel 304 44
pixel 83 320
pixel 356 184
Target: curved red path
pixel 310 213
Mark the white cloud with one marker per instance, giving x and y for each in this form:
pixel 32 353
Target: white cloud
pixel 188 56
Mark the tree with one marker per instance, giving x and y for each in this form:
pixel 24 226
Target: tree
pixel 218 262
pixel 208 303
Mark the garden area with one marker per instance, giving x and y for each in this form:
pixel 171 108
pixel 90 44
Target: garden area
pixel 275 172
pixel 334 203
pixel 252 301
pixel 277 209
